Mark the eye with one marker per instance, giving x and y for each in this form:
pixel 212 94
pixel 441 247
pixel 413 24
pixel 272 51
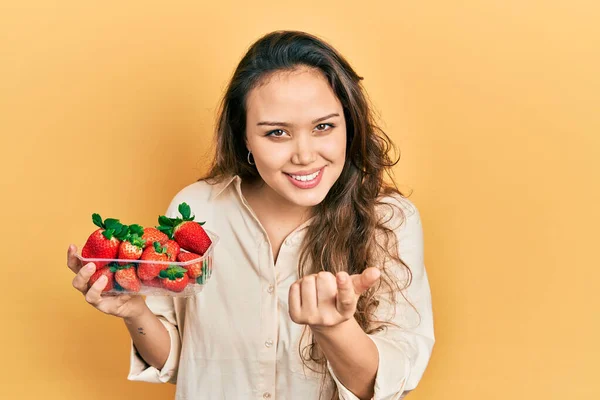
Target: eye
pixel 276 133
pixel 324 127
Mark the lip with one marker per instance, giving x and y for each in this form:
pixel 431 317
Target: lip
pixel 304 172
pixel 309 184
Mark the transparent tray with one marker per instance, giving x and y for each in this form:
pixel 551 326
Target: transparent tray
pixel 149 289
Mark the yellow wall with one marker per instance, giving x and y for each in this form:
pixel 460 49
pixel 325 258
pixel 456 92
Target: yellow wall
pixel 109 108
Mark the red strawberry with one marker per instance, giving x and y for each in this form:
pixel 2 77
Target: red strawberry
pixel 194 269
pixel 189 234
pixel 103 271
pixel 152 235
pixel 104 242
pixel 126 278
pixel 174 278
pixel 132 247
pixel 155 282
pixel 148 271
pixel 173 249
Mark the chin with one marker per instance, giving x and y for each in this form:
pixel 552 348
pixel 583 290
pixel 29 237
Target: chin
pixel 307 200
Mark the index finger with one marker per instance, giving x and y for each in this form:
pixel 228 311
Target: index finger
pixel 73 262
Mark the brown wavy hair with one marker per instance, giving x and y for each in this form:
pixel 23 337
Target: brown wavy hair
pixel 348 232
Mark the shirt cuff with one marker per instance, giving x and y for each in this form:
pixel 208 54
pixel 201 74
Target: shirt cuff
pixel 141 371
pixel 392 373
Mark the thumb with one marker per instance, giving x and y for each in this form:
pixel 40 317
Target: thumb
pixel 346 298
pixel 365 280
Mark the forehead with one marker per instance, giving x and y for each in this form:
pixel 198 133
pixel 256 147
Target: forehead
pixel 298 95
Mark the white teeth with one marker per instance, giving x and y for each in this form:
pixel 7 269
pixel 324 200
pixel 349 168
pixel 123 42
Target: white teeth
pixel 306 178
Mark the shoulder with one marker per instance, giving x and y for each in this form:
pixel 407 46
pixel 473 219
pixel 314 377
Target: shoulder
pixel 398 212
pixel 197 195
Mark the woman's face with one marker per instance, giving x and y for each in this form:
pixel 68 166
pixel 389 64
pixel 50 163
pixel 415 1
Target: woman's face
pixel 296 131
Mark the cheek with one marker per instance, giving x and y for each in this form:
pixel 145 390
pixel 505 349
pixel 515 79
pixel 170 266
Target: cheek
pixel 333 147
pixel 271 157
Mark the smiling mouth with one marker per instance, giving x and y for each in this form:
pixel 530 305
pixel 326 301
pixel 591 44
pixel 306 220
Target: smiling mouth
pixel 306 178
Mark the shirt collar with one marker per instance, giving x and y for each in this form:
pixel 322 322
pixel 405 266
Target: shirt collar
pixel 236 181
pixel 221 186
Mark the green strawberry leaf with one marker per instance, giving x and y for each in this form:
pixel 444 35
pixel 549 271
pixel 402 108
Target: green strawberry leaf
pixel 159 248
pixel 136 229
pixel 97 220
pixel 109 233
pixel 122 232
pixel 136 240
pixel 173 272
pixel 112 223
pixel 201 223
pixel 167 230
pixel 185 211
pixel 163 220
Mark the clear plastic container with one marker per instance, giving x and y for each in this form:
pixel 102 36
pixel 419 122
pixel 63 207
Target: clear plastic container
pixel 194 286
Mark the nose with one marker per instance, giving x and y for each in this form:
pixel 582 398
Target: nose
pixel 304 153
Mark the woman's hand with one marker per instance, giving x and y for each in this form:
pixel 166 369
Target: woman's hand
pixel 325 300
pixel 124 306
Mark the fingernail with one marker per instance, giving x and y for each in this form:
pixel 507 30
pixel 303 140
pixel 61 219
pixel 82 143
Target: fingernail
pixel 91 267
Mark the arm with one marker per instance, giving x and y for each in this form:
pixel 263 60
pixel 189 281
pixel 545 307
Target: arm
pixel 150 338
pixel 156 360
pixel 352 356
pixel 155 335
pixel 403 350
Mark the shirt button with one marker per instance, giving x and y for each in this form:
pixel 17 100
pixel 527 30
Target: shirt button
pixel 269 343
pixel 271 289
pixel 288 241
pixel 267 395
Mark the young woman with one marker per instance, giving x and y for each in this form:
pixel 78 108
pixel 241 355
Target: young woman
pixel 319 288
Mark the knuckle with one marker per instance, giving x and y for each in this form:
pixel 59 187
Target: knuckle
pixel 89 297
pixel 77 284
pixel 323 275
pixel 314 320
pixel 347 302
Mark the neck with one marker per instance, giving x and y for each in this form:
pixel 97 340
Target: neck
pixel 264 199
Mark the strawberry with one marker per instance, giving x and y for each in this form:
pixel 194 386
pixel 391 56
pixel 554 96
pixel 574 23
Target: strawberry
pixel 103 271
pixel 126 277
pixel 173 249
pixel 157 252
pixel 189 234
pixel 154 282
pixel 132 247
pixel 194 269
pixel 174 278
pixel 104 242
pixel 152 235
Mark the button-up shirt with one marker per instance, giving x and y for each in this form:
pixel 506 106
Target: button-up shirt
pixel 235 339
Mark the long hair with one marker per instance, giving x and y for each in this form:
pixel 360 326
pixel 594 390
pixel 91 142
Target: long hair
pixel 347 233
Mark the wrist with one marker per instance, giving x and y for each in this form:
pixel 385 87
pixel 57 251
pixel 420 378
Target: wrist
pixel 329 331
pixel 134 316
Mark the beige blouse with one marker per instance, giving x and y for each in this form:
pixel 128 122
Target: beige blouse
pixel 235 339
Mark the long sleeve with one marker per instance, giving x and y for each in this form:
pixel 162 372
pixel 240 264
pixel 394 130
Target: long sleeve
pixel 405 349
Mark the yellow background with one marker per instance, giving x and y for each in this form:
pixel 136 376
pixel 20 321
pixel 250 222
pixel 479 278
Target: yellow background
pixel 109 107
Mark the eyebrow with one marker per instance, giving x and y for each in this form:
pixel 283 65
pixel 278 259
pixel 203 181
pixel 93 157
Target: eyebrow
pixel 275 123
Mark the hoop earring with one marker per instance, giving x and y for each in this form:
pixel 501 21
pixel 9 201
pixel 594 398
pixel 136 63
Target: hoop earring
pixel 250 162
